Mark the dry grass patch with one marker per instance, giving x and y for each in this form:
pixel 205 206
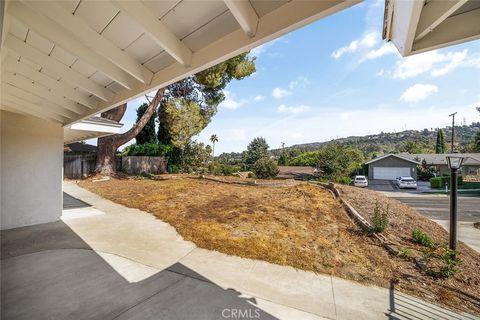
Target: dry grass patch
pixel 299 225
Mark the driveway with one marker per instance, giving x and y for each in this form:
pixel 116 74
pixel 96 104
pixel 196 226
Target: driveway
pixel 106 261
pixel 381 185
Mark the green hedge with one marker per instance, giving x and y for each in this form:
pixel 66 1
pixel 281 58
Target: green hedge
pixel 440 182
pixel 147 149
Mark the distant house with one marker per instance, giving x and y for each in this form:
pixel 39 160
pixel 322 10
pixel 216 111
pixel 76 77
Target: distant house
pixel 391 166
pixel 79 148
pixel 470 166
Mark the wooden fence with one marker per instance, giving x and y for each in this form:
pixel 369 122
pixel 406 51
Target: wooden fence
pixel 143 164
pixel 76 166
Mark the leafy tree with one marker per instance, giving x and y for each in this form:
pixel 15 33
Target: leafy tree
pixel 265 168
pixel 202 91
pixel 476 143
pixel 257 149
pixel 213 139
pixel 440 145
pixel 182 119
pixel 194 157
pixel 308 159
pixel 424 171
pixel 147 134
pixel 198 95
pixel 337 160
pixel 412 146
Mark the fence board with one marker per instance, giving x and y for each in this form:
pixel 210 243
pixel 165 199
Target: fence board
pixel 77 166
pixel 139 164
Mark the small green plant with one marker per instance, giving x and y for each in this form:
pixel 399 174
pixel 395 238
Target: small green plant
pixel 379 218
pixel 422 238
pixel 251 175
pixel 405 253
pixel 450 262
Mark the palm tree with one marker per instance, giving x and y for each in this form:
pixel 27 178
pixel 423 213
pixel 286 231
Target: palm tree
pixel 214 139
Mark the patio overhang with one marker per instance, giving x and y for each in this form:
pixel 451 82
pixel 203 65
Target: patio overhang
pixel 416 26
pixel 93 127
pixel 64 61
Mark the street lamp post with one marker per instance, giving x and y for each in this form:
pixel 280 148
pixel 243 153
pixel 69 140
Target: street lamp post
pixel 454 163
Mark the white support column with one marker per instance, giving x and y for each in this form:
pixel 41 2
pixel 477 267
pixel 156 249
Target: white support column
pixel 31 161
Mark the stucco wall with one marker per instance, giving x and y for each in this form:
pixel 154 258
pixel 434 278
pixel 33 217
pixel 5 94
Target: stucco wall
pixel 392 162
pixel 30 169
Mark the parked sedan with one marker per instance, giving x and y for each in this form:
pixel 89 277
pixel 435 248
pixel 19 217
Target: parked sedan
pixel 360 181
pixel 406 182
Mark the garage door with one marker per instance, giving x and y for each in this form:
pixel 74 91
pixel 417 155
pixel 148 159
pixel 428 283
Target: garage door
pixel 390 173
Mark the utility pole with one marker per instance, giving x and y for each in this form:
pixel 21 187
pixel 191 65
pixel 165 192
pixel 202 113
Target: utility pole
pixel 453 129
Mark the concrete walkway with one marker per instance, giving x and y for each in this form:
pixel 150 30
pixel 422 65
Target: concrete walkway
pixel 111 262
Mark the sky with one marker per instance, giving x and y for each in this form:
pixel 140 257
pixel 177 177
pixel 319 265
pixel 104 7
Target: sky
pixel 336 78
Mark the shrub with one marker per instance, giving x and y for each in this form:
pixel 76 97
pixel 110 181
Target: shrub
pixel 379 218
pixel 147 149
pixel 265 168
pixel 218 169
pixel 436 182
pixel 251 175
pixel 172 168
pixel 344 180
pixel 422 238
pixel 440 182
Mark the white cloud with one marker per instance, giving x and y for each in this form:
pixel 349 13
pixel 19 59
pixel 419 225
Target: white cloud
pixel 278 93
pixel 369 40
pixel 261 49
pixel 455 59
pixel 301 82
pixel 438 64
pixel 293 109
pixel 418 92
pixel 230 102
pixel 386 48
pixel 259 98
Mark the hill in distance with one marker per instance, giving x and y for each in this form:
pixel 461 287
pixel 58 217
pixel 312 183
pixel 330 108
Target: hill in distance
pixel 392 142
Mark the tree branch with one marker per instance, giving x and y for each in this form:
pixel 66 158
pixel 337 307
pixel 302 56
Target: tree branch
pixel 123 138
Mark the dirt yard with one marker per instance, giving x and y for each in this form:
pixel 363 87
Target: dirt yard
pixel 299 225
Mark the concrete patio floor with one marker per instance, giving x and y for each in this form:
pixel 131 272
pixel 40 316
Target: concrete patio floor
pixel 106 261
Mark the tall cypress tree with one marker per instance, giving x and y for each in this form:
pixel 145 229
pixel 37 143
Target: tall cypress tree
pixel 147 135
pixel 440 145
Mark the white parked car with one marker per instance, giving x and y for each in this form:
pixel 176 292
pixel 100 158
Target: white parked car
pixel 360 181
pixel 406 182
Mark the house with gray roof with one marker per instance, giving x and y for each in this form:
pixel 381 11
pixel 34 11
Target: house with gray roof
pixel 470 166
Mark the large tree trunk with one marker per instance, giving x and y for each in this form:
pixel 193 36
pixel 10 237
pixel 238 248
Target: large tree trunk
pixel 107 146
